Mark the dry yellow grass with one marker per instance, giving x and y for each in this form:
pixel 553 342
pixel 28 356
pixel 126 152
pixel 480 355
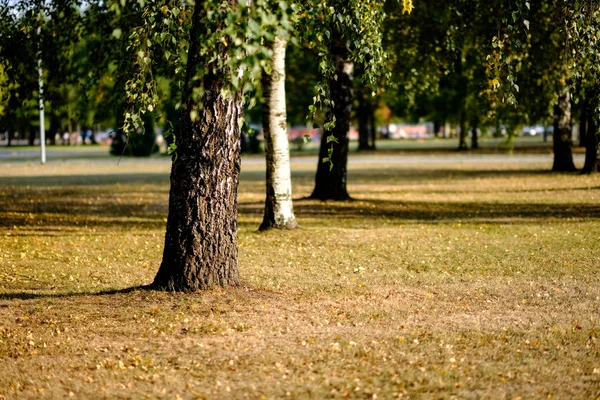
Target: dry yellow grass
pixel 464 280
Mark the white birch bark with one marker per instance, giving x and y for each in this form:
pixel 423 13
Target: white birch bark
pixel 41 100
pixel 279 210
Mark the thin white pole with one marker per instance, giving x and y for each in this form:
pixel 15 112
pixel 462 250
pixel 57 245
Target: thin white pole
pixel 41 90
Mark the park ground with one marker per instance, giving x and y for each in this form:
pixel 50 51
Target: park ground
pixel 447 276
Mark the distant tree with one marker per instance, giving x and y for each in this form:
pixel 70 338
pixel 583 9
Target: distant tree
pixel 346 33
pixel 552 47
pixel 331 177
pixel 366 104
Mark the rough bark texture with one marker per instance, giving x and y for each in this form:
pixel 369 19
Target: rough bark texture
pixel 562 136
pixel 331 184
pixel 279 210
pixel 201 237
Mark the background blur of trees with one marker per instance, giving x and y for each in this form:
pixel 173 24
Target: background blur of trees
pixel 470 68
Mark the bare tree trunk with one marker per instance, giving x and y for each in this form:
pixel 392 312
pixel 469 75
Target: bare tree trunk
pixel 201 237
pixel 592 150
pixel 373 123
pixel 462 141
pixel 330 183
pixel 279 210
pixel 363 122
pixel 31 134
pixel 70 128
pixel 474 134
pixel 583 122
pixel 437 128
pixel 54 129
pixel 563 154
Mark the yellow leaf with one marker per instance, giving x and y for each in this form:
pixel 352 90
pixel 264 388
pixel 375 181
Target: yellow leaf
pixel 407 6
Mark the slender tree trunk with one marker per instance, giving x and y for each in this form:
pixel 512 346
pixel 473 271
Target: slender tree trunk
pixel 201 236
pixel 373 123
pixel 10 134
pixel 93 138
pixel 363 122
pixel 31 134
pixel 474 133
pixel 330 182
pixel 279 210
pixel 474 136
pixel 583 122
pixel 70 128
pixel 437 127
pixel 592 150
pixel 54 128
pixel 563 154
pixel 462 141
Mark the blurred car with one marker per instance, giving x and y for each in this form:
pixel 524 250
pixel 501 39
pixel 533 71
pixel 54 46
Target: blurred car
pixel 532 130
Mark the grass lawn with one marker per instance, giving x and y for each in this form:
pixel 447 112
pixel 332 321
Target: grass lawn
pixel 440 280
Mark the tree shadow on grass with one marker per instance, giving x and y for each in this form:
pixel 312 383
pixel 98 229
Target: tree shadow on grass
pixel 140 200
pixel 375 175
pixel 33 296
pixel 406 173
pixel 86 180
pixel 215 292
pixel 433 212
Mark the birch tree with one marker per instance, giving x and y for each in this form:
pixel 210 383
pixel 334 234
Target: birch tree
pixel 279 209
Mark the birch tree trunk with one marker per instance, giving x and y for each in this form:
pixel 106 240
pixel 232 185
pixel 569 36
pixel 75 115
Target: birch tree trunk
pixel 201 237
pixel 279 210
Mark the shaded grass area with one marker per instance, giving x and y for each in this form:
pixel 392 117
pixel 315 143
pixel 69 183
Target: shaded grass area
pixel 461 280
